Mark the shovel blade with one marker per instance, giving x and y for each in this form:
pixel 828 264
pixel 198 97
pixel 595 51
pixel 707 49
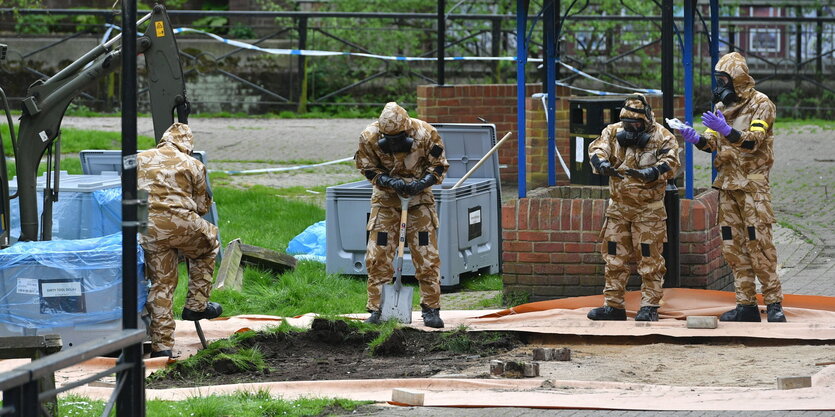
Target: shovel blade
pixel 396 304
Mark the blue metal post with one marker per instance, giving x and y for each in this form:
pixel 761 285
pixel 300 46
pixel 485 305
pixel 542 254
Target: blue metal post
pixel 714 57
pixel 521 61
pixel 687 57
pixel 550 17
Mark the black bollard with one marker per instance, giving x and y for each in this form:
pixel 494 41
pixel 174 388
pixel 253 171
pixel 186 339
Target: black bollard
pixel 671 248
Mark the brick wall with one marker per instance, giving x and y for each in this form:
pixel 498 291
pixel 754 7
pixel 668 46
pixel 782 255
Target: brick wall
pixel 495 103
pixel 551 246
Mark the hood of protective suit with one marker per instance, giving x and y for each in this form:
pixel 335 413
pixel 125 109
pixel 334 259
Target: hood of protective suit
pixel 394 119
pixel 734 64
pixel 634 103
pixel 179 135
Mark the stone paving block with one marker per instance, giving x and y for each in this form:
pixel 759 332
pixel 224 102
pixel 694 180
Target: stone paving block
pixel 794 382
pixel 407 396
pixel 702 322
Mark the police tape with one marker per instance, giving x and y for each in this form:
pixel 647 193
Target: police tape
pixel 282 169
pixel 314 53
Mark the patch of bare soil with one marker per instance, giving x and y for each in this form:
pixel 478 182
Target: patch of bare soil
pixel 334 350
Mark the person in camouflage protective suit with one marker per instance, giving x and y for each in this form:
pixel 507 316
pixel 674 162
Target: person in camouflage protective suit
pixel 177 198
pixel 638 155
pixel 402 155
pixel 741 132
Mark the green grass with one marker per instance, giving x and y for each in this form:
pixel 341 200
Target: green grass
pixel 483 283
pixel 240 404
pixel 75 140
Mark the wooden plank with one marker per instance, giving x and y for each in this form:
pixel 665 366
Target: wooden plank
pixel 29 346
pixel 228 276
pixel 267 259
pixel 407 396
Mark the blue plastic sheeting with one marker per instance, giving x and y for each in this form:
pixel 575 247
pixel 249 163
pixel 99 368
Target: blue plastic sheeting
pixel 64 283
pixel 310 244
pixel 80 215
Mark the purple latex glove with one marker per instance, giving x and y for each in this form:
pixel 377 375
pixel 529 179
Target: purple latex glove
pixel 690 135
pixel 716 121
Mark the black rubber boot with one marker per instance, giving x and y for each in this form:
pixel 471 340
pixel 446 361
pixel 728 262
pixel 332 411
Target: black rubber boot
pixel 432 317
pixel 213 310
pixel 607 313
pixel 647 313
pixel 742 313
pixel 775 313
pixel 161 353
pixel 374 318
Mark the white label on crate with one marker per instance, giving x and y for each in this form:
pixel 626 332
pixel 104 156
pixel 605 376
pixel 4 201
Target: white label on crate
pixel 475 217
pixel 43 135
pixel 27 286
pixel 129 161
pixel 61 289
pixel 579 150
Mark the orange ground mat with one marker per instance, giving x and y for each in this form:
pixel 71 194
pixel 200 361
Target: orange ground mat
pixel 810 318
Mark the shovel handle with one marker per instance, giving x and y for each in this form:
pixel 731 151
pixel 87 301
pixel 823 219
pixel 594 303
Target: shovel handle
pixel 401 245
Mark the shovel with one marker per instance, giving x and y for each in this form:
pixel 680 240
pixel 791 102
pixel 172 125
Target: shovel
pixel 396 299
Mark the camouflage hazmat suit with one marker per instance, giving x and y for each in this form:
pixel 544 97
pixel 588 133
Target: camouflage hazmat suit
pixel 635 227
pixel 424 157
pixel 178 197
pixel 743 163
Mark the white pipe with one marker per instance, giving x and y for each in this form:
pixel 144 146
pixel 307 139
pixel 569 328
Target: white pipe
pixel 543 96
pixel 481 161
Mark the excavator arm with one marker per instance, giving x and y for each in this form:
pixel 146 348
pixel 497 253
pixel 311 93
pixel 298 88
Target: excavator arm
pixel 46 102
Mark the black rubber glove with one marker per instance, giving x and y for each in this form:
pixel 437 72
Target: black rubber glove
pixel 395 183
pixel 644 174
pixel 605 168
pixel 183 110
pixel 416 186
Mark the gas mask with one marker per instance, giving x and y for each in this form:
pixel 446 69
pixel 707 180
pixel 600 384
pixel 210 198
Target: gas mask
pixel 633 134
pixel 396 143
pixel 724 90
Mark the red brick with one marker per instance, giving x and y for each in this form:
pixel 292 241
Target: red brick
pixel 698 217
pixel 509 216
pixel 590 236
pixel 576 214
pixel 587 214
pixel 509 235
pixel 545 213
pixel 581 269
pixel 565 258
pixel 565 214
pixel 598 215
pixel 548 247
pixel 517 268
pixel 517 246
pixel 508 256
pixel 565 237
pixel 533 214
pixel 549 268
pixel 534 236
pixel 523 213
pixel 579 247
pixel 534 257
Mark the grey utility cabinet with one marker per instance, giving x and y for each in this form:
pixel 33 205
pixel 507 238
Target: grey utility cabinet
pixel 469 234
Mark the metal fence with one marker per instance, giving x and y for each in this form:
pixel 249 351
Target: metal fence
pixel 792 52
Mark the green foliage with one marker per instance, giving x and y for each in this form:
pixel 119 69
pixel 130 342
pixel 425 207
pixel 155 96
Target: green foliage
pixel 245 359
pixel 804 104
pixel 35 24
pixel 483 283
pixel 213 24
pixel 239 404
pixel 515 298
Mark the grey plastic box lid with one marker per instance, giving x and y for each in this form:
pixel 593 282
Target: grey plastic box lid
pixel 465 145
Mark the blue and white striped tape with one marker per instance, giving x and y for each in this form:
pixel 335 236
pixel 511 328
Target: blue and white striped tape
pixel 282 169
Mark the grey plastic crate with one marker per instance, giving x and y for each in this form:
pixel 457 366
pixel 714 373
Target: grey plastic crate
pixel 95 162
pixel 469 234
pixel 85 207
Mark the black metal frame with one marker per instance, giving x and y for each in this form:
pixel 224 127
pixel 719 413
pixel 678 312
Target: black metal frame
pixel 21 396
